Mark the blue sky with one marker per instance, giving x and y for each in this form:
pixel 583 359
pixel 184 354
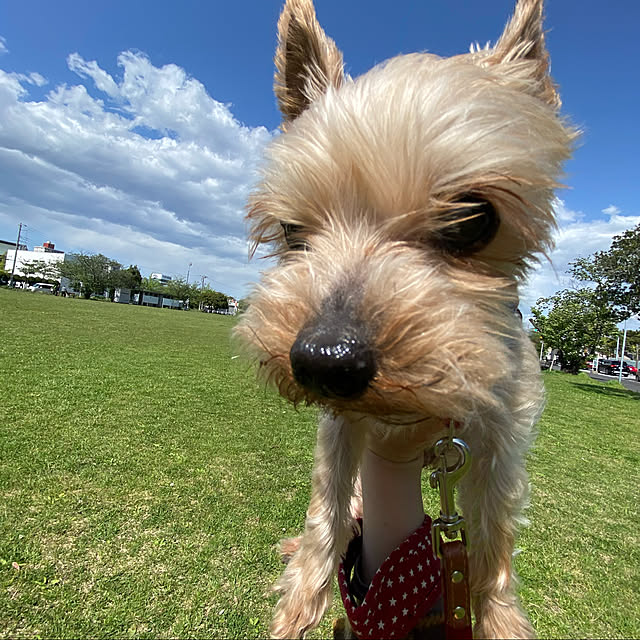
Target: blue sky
pixel 147 156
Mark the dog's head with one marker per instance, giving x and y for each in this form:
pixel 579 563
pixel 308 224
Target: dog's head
pixel 404 206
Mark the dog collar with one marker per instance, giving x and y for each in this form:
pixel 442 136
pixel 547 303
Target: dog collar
pixel 403 591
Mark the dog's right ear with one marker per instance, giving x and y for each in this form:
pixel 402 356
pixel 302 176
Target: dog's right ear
pixel 307 61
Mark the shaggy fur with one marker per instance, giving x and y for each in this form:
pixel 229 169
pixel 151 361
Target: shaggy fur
pixel 366 172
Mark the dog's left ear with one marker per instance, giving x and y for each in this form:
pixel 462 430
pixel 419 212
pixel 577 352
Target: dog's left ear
pixel 523 39
pixel 307 60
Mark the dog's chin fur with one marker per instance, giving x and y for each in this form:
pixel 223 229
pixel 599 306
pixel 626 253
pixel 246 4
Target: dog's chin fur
pixel 365 169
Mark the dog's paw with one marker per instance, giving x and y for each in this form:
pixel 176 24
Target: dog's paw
pixel 287 548
pixel 499 620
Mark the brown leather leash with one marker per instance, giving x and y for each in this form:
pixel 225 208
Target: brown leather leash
pixel 453 553
pixel 371 608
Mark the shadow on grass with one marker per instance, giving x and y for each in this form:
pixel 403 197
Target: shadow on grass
pixel 607 391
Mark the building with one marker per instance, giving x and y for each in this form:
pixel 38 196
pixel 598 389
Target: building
pixel 149 299
pixel 160 277
pixel 47 253
pixel 5 245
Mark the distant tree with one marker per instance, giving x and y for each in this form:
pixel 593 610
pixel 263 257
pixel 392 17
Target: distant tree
pixel 181 290
pixel 4 273
pixel 151 284
pixel 90 273
pixel 615 273
pixel 128 278
pixel 214 299
pixel 34 270
pixel 574 322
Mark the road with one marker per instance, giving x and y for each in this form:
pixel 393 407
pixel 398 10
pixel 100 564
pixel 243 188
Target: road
pixel 628 383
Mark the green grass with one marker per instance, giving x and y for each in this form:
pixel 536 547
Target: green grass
pixel 145 477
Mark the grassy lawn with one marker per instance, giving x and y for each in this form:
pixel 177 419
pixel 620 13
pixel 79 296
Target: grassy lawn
pixel 145 477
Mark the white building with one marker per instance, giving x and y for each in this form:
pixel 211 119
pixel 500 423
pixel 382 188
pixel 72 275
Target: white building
pixel 160 277
pixel 46 253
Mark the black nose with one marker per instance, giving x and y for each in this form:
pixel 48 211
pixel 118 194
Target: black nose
pixel 332 363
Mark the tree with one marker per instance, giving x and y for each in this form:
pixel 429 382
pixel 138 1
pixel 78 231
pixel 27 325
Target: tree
pixel 128 278
pixel 39 270
pixel 615 273
pixel 91 273
pixel 214 299
pixel 181 290
pixel 151 284
pixel 574 322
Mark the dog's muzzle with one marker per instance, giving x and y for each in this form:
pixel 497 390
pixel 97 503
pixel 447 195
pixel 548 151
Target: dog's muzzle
pixel 333 362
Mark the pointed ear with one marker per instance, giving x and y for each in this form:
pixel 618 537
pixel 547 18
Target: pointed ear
pixel 523 39
pixel 307 61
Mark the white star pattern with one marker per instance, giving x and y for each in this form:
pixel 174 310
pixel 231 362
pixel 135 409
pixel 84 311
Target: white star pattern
pixel 418 566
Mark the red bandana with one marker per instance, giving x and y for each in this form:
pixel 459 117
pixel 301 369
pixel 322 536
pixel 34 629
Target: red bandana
pixel 402 592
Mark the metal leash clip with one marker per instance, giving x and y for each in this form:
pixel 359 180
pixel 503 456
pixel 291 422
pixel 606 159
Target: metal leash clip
pixel 445 478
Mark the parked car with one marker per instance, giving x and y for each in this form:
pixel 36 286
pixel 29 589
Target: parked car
pixel 42 287
pixel 612 367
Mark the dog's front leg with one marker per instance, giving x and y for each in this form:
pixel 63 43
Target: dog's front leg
pixel 492 497
pixel 306 584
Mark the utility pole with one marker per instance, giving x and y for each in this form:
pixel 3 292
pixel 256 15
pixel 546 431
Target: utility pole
pixel 15 255
pixel 202 279
pixel 188 270
pixel 624 344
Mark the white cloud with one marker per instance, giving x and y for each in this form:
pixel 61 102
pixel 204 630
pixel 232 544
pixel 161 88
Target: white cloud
pixel 147 168
pixel 576 237
pixel 611 210
pixel 3 46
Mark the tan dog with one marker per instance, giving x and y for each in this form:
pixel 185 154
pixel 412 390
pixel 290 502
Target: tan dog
pixel 405 207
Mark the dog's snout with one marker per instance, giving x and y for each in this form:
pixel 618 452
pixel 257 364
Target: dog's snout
pixel 333 364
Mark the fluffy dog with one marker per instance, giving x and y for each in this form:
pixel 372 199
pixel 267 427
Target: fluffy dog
pixel 405 206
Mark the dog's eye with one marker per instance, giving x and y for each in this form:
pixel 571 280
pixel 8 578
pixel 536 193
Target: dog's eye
pixel 469 227
pixel 292 235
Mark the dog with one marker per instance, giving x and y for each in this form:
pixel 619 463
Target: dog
pixel 404 208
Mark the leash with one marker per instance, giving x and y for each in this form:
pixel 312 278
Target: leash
pixel 429 566
pixel 453 554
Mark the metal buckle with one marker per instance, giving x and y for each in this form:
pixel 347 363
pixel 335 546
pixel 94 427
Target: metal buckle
pixel 445 478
